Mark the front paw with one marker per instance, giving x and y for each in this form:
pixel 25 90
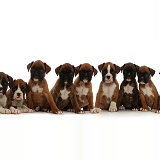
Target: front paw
pixel 144 110
pixel 31 110
pixel 57 112
pixel 95 110
pixel 121 108
pixel 79 111
pixel 113 107
pixel 14 111
pixel 5 111
pixel 154 110
pixel 71 110
pixel 134 109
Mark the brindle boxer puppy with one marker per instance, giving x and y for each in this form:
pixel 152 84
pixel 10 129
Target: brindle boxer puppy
pixel 39 97
pixel 63 91
pixel 83 86
pixel 107 96
pixel 129 94
pixel 148 92
pixel 5 81
pixel 16 97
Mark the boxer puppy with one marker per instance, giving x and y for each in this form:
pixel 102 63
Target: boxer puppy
pixel 16 97
pixel 107 96
pixel 39 98
pixel 83 86
pixel 148 92
pixel 5 81
pixel 63 91
pixel 129 94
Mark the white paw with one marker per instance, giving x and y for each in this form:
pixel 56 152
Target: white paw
pixel 59 112
pixel 6 111
pixel 71 110
pixel 122 108
pixel 145 110
pixel 31 110
pixel 157 111
pixel 37 109
pixel 154 110
pixel 14 111
pixel 81 112
pixel 24 110
pixel 95 110
pixel 134 109
pixel 113 107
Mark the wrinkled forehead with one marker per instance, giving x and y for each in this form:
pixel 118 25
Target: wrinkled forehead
pixel 38 65
pixel 66 68
pixel 19 83
pixel 109 66
pixel 129 67
pixel 86 67
pixel 144 69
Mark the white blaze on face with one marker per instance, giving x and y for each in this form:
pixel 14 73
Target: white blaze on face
pixel 109 76
pixel 1 91
pixel 18 94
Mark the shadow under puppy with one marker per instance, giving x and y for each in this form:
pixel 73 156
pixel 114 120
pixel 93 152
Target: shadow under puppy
pixel 129 94
pixel 5 81
pixel 16 101
pixel 107 96
pixel 63 91
pixel 148 91
pixel 39 98
pixel 83 86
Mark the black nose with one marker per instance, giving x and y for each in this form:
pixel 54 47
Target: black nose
pixel 18 94
pixel 108 77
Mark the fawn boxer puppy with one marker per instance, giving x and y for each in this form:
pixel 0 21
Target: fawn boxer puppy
pixel 107 96
pixel 63 91
pixel 39 97
pixel 148 92
pixel 16 97
pixel 129 94
pixel 5 81
pixel 83 86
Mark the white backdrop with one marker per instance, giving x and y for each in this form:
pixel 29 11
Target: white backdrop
pixel 74 31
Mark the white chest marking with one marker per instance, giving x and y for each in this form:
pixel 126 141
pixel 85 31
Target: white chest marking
pixel 82 90
pixel 64 93
pixel 3 100
pixel 36 88
pixel 108 89
pixel 147 90
pixel 128 89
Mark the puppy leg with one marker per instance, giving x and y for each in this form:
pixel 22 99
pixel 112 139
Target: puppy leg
pixel 4 110
pixel 155 104
pixel 14 110
pixel 143 102
pixel 25 109
pixel 113 107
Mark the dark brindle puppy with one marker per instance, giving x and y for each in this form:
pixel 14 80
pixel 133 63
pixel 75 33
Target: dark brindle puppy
pixel 148 91
pixel 39 97
pixel 129 94
pixel 63 91
pixel 83 86
pixel 5 81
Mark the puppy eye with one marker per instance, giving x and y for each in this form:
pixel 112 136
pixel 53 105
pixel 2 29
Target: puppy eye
pixel 14 88
pixel 113 72
pixel 23 89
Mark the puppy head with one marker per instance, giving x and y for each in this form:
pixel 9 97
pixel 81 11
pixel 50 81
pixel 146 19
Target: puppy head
pixel 38 69
pixel 109 71
pixel 86 72
pixel 144 74
pixel 19 89
pixel 129 71
pixel 5 81
pixel 66 73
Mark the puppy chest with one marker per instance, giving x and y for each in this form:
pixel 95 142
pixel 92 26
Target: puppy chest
pixel 3 101
pixel 64 93
pixel 37 88
pixel 82 90
pixel 147 90
pixel 128 89
pixel 108 90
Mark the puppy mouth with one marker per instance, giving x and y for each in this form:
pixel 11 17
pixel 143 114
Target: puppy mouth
pixel 128 79
pixel 108 81
pixel 141 82
pixel 36 79
pixel 65 82
pixel 85 80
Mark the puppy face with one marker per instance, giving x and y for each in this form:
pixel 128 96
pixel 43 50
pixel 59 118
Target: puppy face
pixel 109 71
pixel 129 71
pixel 19 89
pixel 38 69
pixel 86 72
pixel 5 81
pixel 144 74
pixel 66 73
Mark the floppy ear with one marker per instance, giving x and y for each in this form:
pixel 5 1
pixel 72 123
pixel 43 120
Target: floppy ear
pixel 117 68
pixel 10 80
pixel 101 66
pixel 77 69
pixel 152 71
pixel 94 71
pixel 137 67
pixel 29 65
pixel 57 70
pixel 47 68
pixel 122 67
